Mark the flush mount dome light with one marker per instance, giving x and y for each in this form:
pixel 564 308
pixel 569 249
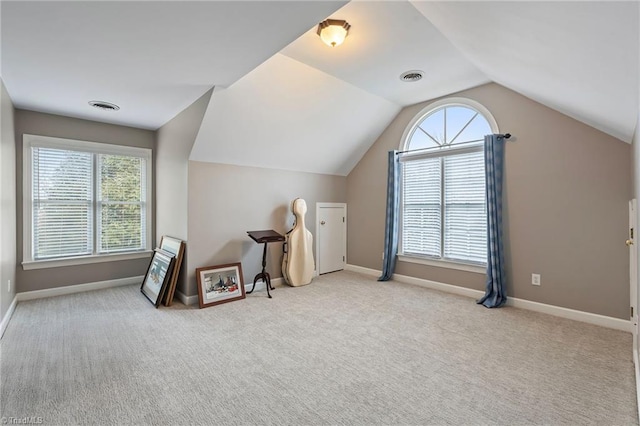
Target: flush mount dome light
pixel 333 31
pixel 410 76
pixel 105 106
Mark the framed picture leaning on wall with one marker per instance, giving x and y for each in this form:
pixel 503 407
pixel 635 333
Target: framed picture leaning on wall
pixel 157 277
pixel 176 248
pixel 220 284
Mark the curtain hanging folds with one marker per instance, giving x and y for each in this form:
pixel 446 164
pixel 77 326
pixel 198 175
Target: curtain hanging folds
pixel 391 222
pixel 495 294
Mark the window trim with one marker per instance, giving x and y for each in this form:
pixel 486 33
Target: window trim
pixel 29 141
pixel 452 150
pixel 457 101
pixel 443 263
pixel 84 260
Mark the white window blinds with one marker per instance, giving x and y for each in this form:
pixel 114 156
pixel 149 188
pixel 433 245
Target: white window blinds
pixel 443 182
pixel 422 207
pixel 465 219
pixel 443 207
pixel 62 203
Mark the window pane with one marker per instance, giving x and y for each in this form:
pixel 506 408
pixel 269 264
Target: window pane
pixel 433 124
pixel 475 131
pixel 444 196
pixel 421 230
pixel 121 227
pixel 120 178
pixel 61 230
pixel 457 118
pixel 421 207
pixel 465 237
pixel 122 224
pixel 62 193
pixel 420 140
pixel 465 223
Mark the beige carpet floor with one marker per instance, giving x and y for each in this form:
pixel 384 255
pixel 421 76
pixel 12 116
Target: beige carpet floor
pixel 344 350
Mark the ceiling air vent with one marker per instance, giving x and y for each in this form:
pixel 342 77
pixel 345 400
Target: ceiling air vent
pixel 410 76
pixel 105 106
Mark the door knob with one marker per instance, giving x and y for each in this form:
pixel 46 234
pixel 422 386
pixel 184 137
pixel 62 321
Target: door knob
pixel 323 222
pixel 629 243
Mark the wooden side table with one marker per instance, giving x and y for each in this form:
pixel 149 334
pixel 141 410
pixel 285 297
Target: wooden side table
pixel 260 237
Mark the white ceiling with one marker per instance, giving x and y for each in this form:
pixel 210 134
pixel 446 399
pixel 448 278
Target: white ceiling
pixel 385 40
pixel 319 108
pixel 580 58
pixel 153 59
pixel 288 115
pixel 311 107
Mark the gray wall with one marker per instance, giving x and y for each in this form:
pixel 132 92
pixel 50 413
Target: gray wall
pixel 72 128
pixel 226 201
pixel 7 202
pixel 566 196
pixel 174 141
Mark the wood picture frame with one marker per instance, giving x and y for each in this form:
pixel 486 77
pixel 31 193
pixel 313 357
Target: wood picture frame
pixel 156 279
pixel 175 247
pixel 220 284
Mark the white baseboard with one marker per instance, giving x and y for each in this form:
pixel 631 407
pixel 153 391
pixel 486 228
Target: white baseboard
pixel 78 288
pixel 587 317
pixel 435 285
pixel 7 316
pixel 260 286
pixel 572 314
pixel 186 300
pixel 362 270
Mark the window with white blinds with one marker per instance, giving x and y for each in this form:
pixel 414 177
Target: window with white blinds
pixel 465 218
pixel 62 203
pixel 443 186
pixel 85 199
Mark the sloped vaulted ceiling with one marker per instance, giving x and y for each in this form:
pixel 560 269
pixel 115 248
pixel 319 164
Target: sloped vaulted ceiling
pixel 311 107
pixel 579 58
pixel 153 58
pixel 288 115
pixel 316 108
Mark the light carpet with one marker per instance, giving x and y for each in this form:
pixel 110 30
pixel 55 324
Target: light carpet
pixel 344 350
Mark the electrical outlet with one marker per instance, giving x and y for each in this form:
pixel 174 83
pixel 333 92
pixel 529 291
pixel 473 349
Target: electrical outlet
pixel 535 279
pixel 9 286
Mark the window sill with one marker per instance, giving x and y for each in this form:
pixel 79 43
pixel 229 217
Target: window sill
pixel 84 260
pixel 478 269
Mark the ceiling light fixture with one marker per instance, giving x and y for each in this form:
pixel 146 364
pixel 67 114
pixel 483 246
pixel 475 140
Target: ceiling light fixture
pixel 333 31
pixel 105 106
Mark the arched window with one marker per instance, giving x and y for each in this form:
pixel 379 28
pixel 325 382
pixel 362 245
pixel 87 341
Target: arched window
pixel 443 183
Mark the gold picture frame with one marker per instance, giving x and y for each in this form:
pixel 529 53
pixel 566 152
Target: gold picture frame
pixel 177 248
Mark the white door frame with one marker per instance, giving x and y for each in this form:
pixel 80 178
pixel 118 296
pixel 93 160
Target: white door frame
pixel 633 269
pixel 329 205
pixel 633 287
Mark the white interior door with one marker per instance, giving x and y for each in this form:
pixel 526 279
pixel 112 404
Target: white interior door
pixel 331 246
pixel 633 270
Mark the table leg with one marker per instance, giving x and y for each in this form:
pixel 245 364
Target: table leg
pixel 264 275
pixel 254 284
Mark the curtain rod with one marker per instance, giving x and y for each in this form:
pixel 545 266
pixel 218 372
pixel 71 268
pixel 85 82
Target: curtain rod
pixel 500 135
